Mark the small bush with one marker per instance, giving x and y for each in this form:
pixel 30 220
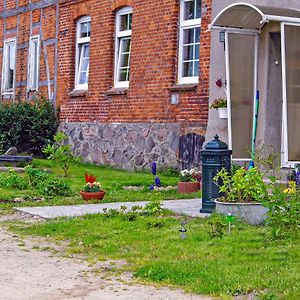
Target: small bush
pixel 12 180
pixel 36 176
pixel 27 126
pixel 54 186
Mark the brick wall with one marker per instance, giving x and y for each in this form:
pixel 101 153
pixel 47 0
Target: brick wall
pixel 153 66
pixel 18 20
pixel 154 55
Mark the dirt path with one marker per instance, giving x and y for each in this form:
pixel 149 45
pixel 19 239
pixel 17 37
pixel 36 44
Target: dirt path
pixel 29 273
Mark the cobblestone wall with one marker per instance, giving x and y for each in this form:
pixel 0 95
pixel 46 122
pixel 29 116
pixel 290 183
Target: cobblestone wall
pixel 133 146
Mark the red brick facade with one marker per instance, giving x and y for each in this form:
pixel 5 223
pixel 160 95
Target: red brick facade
pixel 154 61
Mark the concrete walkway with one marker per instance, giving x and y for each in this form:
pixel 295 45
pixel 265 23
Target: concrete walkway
pixel 189 207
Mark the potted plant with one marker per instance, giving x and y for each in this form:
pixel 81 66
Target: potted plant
pixel 92 189
pixel 189 181
pixel 221 105
pixel 242 192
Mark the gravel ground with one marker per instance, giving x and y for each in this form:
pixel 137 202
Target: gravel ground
pixel 30 273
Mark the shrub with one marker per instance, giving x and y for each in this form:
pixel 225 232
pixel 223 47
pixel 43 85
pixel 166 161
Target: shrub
pixel 12 180
pixel 54 186
pixel 46 183
pixel 36 176
pixel 27 126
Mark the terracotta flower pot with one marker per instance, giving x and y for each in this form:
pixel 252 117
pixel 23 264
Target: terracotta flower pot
pixel 188 187
pixel 89 195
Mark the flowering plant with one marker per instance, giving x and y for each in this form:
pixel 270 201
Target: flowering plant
pixel 91 185
pixel 219 103
pixel 192 175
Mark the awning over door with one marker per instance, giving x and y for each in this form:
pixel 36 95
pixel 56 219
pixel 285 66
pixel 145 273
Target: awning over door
pixel 247 16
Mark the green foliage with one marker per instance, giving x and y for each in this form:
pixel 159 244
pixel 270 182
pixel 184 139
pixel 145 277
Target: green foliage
pixel 46 183
pixel 12 180
pixel 35 175
pixel 61 152
pixel 153 207
pixel 54 186
pixel 284 210
pixel 217 225
pixel 244 186
pixel 27 126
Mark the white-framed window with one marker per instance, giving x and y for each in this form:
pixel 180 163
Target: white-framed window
pixel 123 46
pixel 189 41
pixel 33 63
pixel 82 53
pixel 9 66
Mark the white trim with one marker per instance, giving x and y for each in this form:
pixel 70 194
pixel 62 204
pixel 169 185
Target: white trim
pixel 285 162
pixel 4 66
pixel 31 62
pixel 235 30
pixel 119 35
pixel 80 42
pixel 265 18
pixel 185 24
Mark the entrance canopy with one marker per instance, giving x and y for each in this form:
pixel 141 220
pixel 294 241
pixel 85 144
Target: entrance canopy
pixel 252 17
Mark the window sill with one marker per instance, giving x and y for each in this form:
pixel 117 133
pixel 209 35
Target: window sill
pixel 117 91
pixel 78 93
pixel 184 87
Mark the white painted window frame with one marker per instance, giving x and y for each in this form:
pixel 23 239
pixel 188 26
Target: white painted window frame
pixel 33 86
pixel 228 92
pixel 119 36
pixel 79 43
pixel 185 24
pixel 285 162
pixel 4 66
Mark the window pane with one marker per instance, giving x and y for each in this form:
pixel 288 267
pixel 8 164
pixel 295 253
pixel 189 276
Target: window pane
pixel 85 29
pixel 124 62
pixel 196 51
pixel 125 45
pixel 196 68
pixel 198 9
pixel 33 65
pixel 188 36
pixel 122 75
pixel 197 34
pixel 292 34
pixel 241 59
pixel 84 61
pixel 189 10
pixel 125 22
pixel 188 52
pixel 187 69
pixel 9 67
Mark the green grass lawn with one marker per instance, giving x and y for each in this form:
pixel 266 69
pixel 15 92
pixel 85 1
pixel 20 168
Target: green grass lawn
pixel 241 263
pixel 112 181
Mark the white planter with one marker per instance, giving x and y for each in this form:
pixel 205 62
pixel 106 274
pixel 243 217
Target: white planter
pixel 223 113
pixel 251 213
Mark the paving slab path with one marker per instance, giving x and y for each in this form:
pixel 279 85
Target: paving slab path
pixel 188 207
pixel 27 273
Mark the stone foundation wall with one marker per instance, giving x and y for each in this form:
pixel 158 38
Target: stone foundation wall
pixel 134 146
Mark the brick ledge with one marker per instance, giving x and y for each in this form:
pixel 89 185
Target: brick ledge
pixel 183 87
pixel 78 93
pixel 116 91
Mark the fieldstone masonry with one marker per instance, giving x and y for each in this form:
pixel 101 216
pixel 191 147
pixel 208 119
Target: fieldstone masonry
pixel 133 146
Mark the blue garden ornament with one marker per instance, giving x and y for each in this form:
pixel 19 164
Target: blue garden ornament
pixel 157 181
pixel 153 168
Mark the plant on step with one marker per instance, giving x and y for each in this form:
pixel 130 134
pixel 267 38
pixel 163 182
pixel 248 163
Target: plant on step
pixel 91 185
pixel 244 186
pixel 61 152
pixel 219 103
pixel 192 175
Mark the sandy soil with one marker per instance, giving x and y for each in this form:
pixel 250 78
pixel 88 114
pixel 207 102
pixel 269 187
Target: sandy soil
pixel 30 273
